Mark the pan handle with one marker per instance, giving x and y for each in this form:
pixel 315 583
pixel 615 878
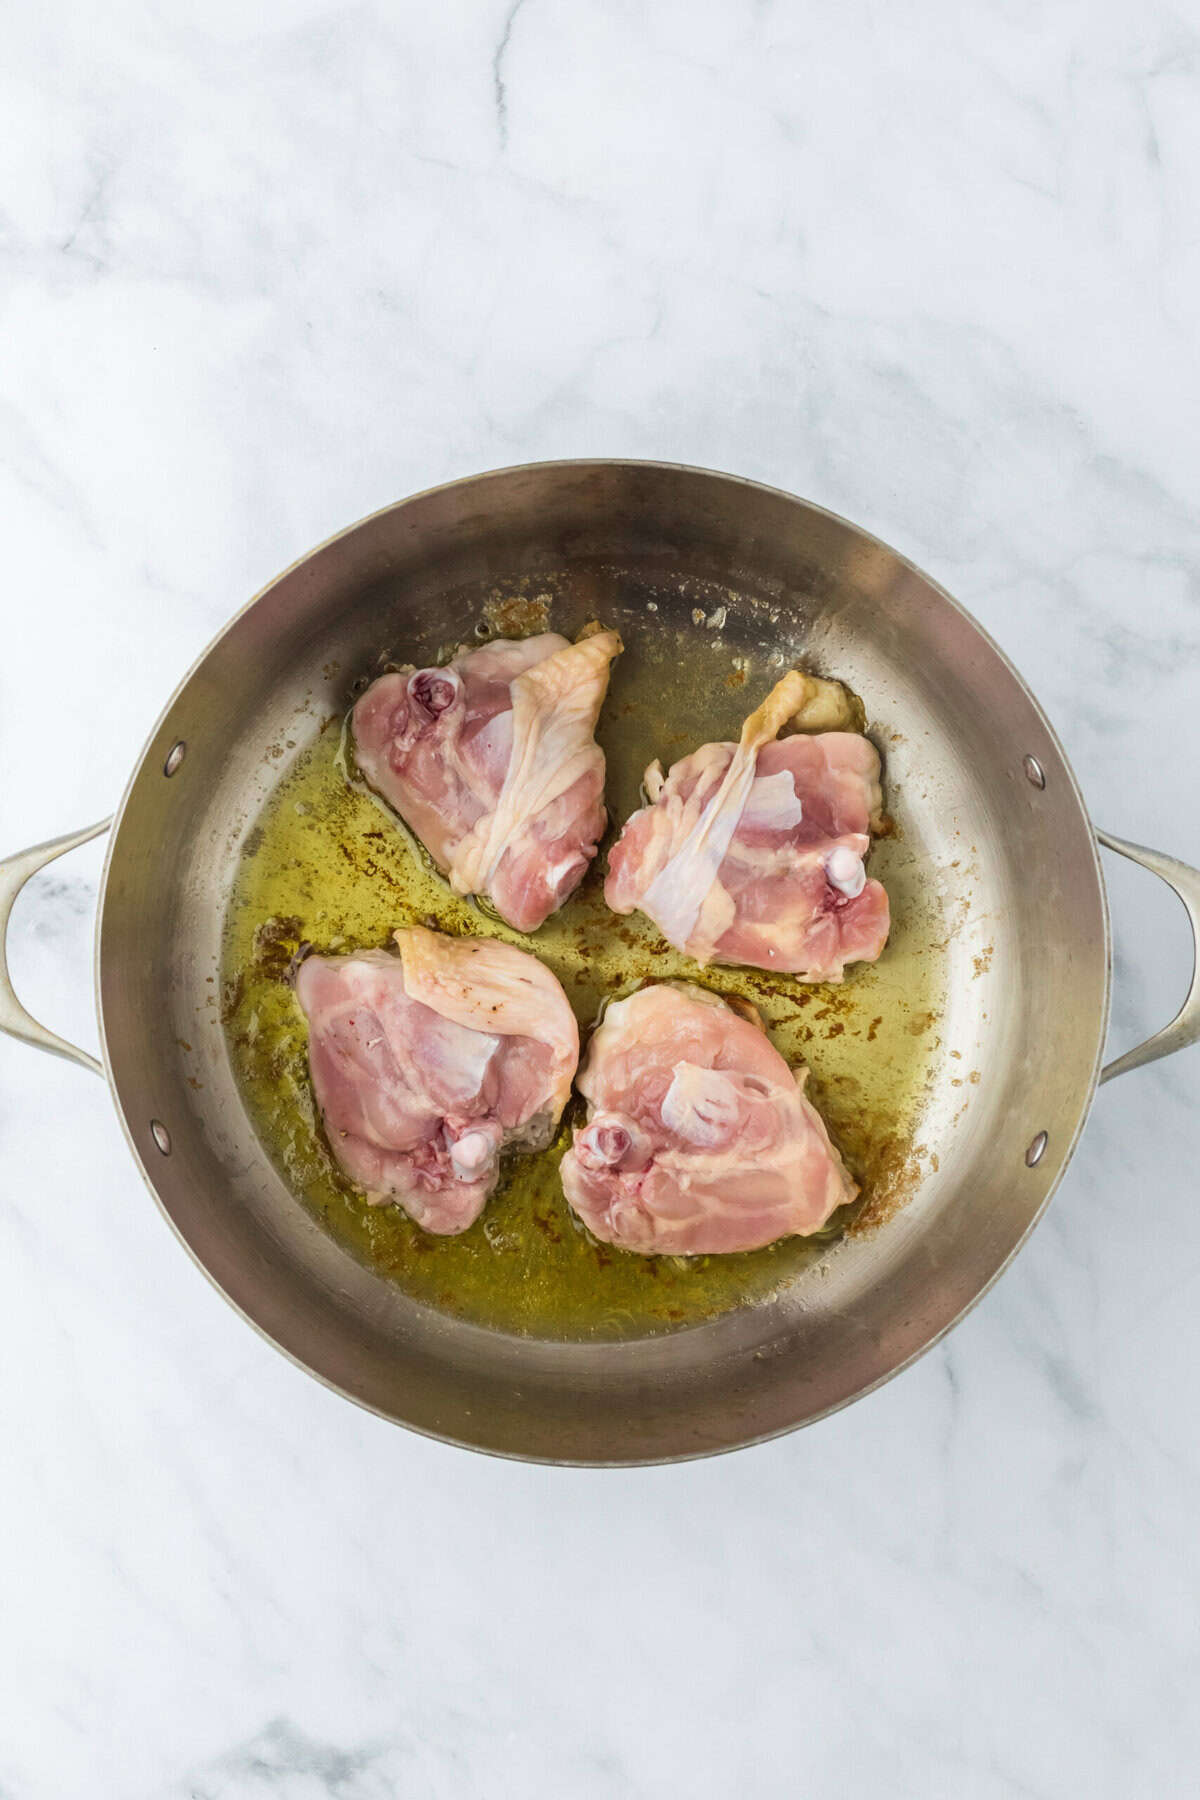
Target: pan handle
pixel 17 1022
pixel 1184 1028
pixel 15 871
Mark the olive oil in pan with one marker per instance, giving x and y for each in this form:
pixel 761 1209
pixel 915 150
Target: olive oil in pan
pixel 327 865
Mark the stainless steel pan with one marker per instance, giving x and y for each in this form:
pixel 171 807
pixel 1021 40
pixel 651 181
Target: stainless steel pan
pixel 972 762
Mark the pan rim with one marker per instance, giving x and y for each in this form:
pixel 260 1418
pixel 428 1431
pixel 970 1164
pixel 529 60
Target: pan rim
pixel 867 539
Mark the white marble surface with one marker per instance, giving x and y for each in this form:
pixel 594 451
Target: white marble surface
pixel 267 267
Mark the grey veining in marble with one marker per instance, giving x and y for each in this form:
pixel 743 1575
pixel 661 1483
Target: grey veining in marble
pixel 265 268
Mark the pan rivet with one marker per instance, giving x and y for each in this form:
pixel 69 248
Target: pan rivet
pixel 1035 771
pixel 1037 1149
pixel 175 756
pixel 161 1136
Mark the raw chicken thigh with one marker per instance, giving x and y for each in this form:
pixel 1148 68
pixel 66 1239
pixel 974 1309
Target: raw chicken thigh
pixel 427 1064
pixel 698 1138
pixel 492 762
pixel 753 852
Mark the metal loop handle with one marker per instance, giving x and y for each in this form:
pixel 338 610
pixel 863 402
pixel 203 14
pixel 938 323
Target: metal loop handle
pixel 1184 1028
pixel 17 1022
pixel 15 871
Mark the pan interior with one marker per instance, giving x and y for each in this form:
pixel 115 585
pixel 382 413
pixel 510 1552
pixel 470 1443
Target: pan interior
pixel 1001 939
pixel 325 864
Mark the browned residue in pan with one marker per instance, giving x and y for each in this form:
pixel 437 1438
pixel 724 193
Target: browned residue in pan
pixel 517 615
